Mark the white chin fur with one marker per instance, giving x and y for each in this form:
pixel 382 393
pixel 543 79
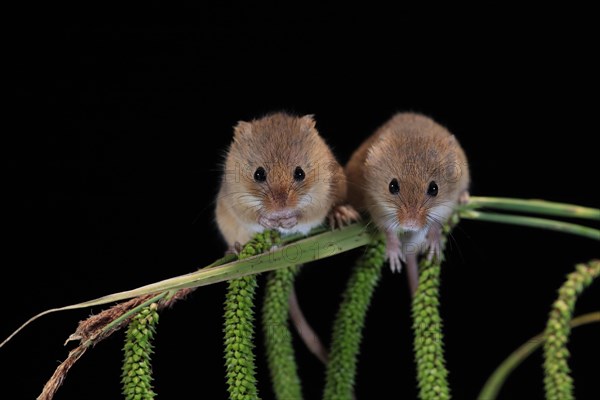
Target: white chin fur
pixel 300 228
pixel 441 212
pixel 413 241
pixel 256 228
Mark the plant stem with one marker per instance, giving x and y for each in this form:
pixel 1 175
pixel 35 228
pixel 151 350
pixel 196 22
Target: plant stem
pixel 114 324
pixel 239 324
pixel 494 384
pixel 278 337
pixel 535 206
pixel 315 247
pixel 137 371
pixel 432 375
pixel 557 379
pixel 349 323
pixel 533 222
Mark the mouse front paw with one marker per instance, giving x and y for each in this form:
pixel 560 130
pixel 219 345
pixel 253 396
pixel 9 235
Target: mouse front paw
pixel 434 246
pixel 342 215
pixel 288 223
pixel 464 197
pixel 393 251
pixel 235 249
pixel 394 258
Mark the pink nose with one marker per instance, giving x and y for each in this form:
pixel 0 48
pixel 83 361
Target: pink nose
pixel 280 198
pixel 410 225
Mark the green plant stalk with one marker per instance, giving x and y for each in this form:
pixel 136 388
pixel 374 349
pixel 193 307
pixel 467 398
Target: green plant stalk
pixel 239 324
pixel 278 337
pixel 319 246
pixel 135 310
pixel 349 322
pixel 535 206
pixel 136 375
pixel 494 384
pixel 432 375
pixel 557 380
pixel 533 222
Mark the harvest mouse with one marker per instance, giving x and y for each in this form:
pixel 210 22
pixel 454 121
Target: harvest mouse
pixel 409 176
pixel 280 174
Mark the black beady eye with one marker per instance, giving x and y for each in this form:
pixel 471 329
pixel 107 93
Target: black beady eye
pixel 432 190
pixel 260 175
pixel 394 186
pixel 299 174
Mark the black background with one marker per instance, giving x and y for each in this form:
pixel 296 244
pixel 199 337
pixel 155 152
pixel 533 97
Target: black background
pixel 111 179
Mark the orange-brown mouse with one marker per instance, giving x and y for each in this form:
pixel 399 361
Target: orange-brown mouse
pixel 279 174
pixel 409 176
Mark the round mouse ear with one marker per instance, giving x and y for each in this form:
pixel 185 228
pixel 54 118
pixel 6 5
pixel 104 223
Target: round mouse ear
pixel 242 128
pixel 370 156
pixel 452 140
pixel 308 121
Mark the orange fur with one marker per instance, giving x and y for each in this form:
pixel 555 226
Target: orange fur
pixel 416 152
pixel 278 143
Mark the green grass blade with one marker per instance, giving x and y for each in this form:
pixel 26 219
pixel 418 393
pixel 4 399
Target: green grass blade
pixel 533 222
pixel 494 384
pixel 319 246
pixel 535 206
pixel 313 248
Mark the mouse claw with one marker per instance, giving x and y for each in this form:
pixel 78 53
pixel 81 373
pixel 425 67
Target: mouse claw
pixel 393 251
pixel 342 215
pixel 235 249
pixel 394 260
pixel 434 247
pixel 464 197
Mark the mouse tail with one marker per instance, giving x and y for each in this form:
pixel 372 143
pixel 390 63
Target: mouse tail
pixel 412 270
pixel 305 331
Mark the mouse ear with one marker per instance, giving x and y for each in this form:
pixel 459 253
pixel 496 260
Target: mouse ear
pixel 242 128
pixel 452 141
pixel 308 121
pixel 369 156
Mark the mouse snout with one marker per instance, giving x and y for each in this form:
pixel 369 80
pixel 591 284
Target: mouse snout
pixel 410 225
pixel 281 198
pixel 411 220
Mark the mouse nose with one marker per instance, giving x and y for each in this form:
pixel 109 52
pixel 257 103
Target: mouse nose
pixel 280 197
pixel 411 225
pixel 410 220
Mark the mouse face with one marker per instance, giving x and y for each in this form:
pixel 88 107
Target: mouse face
pixel 278 173
pixel 415 184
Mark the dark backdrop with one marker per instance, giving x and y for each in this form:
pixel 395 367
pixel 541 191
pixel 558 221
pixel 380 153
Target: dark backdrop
pixel 112 169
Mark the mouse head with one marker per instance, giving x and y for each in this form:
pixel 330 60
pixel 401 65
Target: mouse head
pixel 282 170
pixel 413 181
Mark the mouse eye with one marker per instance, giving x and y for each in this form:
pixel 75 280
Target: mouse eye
pixel 299 174
pixel 394 186
pixel 260 175
pixel 432 190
